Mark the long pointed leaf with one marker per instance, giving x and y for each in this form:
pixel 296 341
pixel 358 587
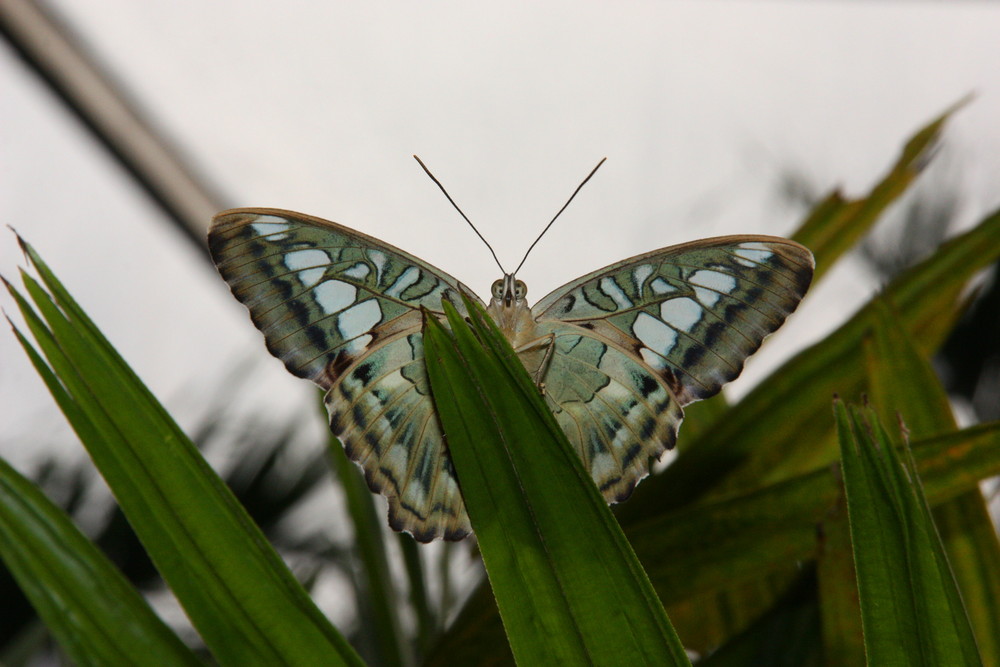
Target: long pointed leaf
pixel 88 605
pixel 240 596
pixel 912 611
pixel 534 507
pixel 836 224
pixel 903 383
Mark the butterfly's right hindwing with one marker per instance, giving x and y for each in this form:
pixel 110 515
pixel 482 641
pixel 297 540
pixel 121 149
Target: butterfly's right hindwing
pixel 343 310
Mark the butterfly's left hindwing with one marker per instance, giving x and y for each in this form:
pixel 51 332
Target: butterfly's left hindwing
pixel 382 411
pixel 343 309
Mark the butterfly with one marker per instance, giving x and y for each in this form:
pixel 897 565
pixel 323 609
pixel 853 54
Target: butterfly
pixel 617 353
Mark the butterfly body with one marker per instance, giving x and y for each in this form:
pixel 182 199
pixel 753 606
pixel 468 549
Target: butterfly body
pixel 617 353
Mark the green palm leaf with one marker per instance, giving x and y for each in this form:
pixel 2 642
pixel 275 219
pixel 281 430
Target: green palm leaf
pixel 241 598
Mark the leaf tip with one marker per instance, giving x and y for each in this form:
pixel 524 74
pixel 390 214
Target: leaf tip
pixel 25 247
pixel 963 101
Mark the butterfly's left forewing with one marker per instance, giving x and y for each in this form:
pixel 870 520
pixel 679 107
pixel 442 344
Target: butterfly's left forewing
pixel 343 309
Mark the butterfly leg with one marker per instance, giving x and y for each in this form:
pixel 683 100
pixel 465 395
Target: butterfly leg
pixel 530 350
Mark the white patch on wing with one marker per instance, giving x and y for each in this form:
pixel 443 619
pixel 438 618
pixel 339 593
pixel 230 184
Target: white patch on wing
pixel 682 313
pixel 359 344
pixel 654 334
pixel 277 219
pixel 334 295
pixel 415 495
pixel 652 358
pixel 359 271
pixel 378 259
pixel 752 254
pixel 707 297
pixel 612 290
pixel 603 466
pixel 396 458
pixel 661 286
pixel 639 275
pixel 359 319
pixel 270 226
pixel 716 280
pixel 710 285
pixel 405 279
pixel 311 265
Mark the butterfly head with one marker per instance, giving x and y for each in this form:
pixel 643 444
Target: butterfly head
pixel 509 307
pixel 508 291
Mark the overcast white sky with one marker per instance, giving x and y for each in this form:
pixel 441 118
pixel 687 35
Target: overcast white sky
pixel 318 107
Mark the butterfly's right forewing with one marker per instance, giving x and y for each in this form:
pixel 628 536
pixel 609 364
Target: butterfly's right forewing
pixel 343 309
pixel 692 312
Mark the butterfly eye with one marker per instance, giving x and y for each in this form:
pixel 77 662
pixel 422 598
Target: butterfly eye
pixel 497 290
pixel 520 290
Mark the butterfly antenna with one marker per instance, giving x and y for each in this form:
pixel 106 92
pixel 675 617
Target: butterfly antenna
pixel 438 183
pixel 578 188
